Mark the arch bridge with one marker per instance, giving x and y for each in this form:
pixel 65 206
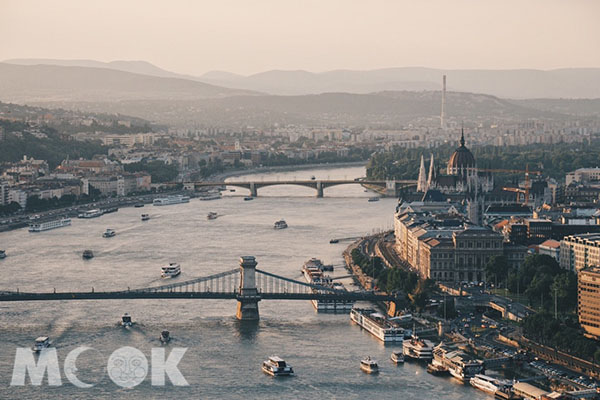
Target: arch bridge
pixel 246 284
pixel 390 186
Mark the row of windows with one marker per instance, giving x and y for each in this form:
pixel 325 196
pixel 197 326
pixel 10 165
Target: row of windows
pixel 478 244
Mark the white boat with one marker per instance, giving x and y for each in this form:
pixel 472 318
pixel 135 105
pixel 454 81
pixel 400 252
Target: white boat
pixel 459 364
pixel 212 215
pixel 281 224
pixel 210 196
pixel 377 325
pixel 276 366
pixel 126 320
pixel 171 270
pixel 165 337
pixel 397 357
pixel 169 200
pixel 145 217
pixel 47 225
pixel 2 254
pixel 41 343
pixel 312 270
pixel 488 384
pixel 417 348
pixel 369 365
pixel 109 233
pixel 91 214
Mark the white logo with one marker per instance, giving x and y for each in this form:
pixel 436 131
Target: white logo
pixel 127 367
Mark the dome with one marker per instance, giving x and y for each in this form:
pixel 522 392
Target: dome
pixel 461 158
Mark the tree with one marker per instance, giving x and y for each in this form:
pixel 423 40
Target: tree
pixel 497 269
pixel 564 287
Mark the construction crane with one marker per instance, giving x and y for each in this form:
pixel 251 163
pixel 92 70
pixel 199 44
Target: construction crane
pixel 524 191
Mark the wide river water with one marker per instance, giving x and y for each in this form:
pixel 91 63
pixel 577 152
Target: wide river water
pixel 223 357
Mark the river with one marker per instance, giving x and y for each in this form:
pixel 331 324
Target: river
pixel 223 357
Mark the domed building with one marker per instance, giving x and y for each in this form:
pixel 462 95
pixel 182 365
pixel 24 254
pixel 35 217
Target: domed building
pixel 462 175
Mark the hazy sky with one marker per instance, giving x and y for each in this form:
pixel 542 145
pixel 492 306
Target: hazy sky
pixel 249 36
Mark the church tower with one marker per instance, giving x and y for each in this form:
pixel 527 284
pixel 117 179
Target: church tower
pixel 422 181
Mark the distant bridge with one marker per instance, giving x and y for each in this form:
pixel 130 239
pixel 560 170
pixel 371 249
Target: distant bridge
pixel 391 186
pixel 245 284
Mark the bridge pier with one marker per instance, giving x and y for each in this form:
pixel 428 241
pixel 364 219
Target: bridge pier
pixel 390 189
pixel 248 297
pixel 319 189
pixel 253 190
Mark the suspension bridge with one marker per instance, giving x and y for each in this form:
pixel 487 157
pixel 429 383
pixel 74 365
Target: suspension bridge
pixel 246 284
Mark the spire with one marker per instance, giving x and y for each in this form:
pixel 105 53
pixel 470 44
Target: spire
pixel 462 136
pixel 431 173
pixel 422 182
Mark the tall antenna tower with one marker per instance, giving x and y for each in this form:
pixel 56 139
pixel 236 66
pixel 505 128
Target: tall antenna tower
pixel 443 114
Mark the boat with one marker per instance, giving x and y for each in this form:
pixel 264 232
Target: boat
pixel 165 337
pixel 489 384
pixel 312 178
pixel 145 217
pixel 333 241
pixel 248 198
pixel 377 325
pixel 41 343
pixel 2 254
pixel 126 320
pixel 312 270
pixel 95 213
pixel 435 368
pixel 87 254
pixel 47 225
pixel 212 215
pixel 169 200
pixel 369 365
pixel 276 366
pixel 281 224
pixel 171 270
pixel 372 199
pixel 416 348
pixel 110 210
pixel 138 205
pixel 397 357
pixel 109 233
pixel 459 364
pixel 315 262
pixel 210 196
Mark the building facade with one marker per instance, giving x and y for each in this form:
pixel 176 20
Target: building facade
pixel 580 251
pixel 588 300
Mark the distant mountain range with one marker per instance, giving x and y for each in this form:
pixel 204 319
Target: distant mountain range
pixel 515 84
pixel 31 83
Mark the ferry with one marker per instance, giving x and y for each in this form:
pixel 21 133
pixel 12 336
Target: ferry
pixel 91 214
pixel 145 217
pixel 417 349
pixel 87 254
pixel 169 200
pixel 41 343
pixel 2 254
pixel 171 270
pixel 435 368
pixel 47 225
pixel 276 366
pixel 372 199
pixel 212 215
pixel 487 383
pixel 126 320
pixel 369 365
pixel 281 224
pixel 109 233
pixel 377 325
pixel 210 196
pixel 165 337
pixel 460 365
pixel 397 357
pixel 312 270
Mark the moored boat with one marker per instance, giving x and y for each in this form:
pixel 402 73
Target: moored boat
pixel 377 325
pixel 369 365
pixel 47 225
pixel 169 200
pixel 489 384
pixel 417 349
pixel 91 214
pixel 210 196
pixel 171 270
pixel 276 366
pixel 397 357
